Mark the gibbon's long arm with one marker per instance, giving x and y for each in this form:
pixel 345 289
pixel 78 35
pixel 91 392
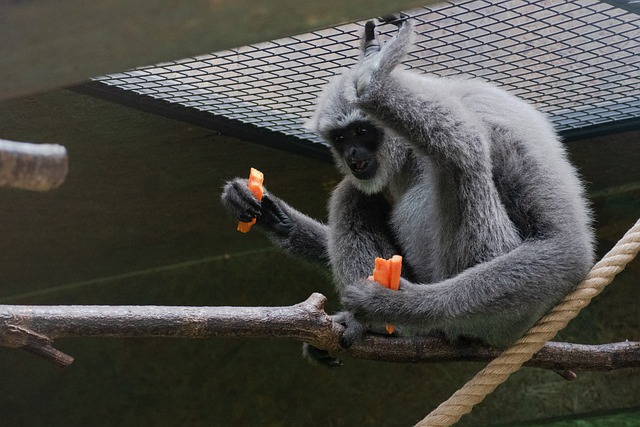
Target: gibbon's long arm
pixel 286 227
pixel 496 300
pixel 361 233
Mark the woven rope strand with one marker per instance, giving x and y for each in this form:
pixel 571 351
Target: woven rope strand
pixel 512 359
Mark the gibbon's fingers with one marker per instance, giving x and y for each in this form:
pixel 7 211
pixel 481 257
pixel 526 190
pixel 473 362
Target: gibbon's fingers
pixel 378 62
pixel 239 201
pixel 369 45
pixel 319 357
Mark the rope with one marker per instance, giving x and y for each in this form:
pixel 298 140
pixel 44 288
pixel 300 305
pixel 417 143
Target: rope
pixel 498 370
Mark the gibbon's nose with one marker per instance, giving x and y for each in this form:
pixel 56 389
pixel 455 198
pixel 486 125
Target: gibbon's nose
pixel 359 166
pixel 357 160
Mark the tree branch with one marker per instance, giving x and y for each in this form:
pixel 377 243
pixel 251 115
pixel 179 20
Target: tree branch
pixel 34 328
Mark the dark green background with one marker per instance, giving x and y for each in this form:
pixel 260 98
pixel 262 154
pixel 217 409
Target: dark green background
pixel 139 222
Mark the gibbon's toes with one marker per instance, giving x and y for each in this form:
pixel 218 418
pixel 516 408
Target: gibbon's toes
pixel 353 329
pixel 319 357
pixel 369 32
pixel 352 334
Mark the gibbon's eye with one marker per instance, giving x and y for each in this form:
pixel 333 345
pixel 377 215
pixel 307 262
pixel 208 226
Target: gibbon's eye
pixel 362 130
pixel 338 138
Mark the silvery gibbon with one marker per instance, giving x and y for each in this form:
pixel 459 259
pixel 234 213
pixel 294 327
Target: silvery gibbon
pixel 469 184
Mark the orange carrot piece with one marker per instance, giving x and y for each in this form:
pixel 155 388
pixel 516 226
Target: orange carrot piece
pixel 244 227
pixel 387 273
pixel 381 272
pixel 395 270
pixel 256 179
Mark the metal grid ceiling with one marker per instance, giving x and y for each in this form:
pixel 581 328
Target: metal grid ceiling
pixel 578 61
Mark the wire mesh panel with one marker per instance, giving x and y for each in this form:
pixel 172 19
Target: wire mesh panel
pixel 577 61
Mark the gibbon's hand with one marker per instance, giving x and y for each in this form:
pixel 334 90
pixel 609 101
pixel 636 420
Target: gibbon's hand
pixel 369 301
pixel 239 201
pixel 243 206
pixel 377 62
pixel 363 297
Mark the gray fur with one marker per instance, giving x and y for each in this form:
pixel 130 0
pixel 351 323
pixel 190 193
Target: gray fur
pixel 473 189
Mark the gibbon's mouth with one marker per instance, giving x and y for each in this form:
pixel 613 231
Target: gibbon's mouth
pixel 363 169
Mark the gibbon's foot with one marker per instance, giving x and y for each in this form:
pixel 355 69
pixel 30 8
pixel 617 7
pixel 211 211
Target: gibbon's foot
pixel 320 357
pixel 353 329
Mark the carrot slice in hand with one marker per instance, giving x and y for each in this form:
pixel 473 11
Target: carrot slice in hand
pixel 387 272
pixel 381 272
pixel 256 179
pixel 395 270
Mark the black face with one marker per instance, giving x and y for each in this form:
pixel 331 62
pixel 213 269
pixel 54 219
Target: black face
pixel 358 143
